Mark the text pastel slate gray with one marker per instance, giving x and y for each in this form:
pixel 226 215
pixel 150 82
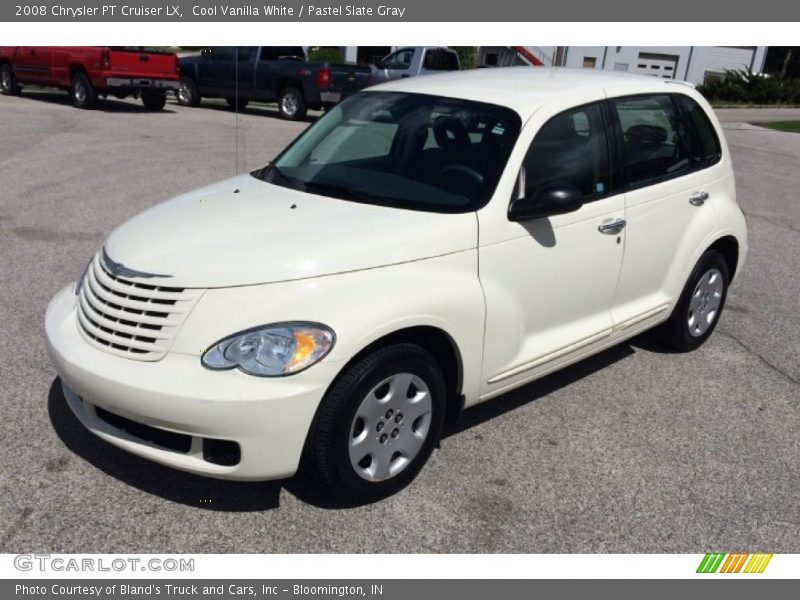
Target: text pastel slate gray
pixel 397 11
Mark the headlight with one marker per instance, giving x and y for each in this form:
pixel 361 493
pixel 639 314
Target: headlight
pixel 79 281
pixel 272 350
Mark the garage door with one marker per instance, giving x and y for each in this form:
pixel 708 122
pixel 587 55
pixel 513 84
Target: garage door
pixel 721 58
pixel 657 65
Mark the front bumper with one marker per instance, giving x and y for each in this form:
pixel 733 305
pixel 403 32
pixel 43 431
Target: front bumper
pixel 268 418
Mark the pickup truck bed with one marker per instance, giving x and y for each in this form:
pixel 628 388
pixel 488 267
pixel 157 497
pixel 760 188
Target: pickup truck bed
pixel 90 71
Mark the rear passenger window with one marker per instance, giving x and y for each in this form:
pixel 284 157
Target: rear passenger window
pixel 570 148
pixel 703 140
pixel 653 146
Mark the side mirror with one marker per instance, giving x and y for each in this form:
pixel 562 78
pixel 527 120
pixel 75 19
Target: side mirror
pixel 205 52
pixel 555 199
pixel 378 63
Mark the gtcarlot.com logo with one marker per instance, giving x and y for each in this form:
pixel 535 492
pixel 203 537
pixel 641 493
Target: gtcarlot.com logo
pixel 742 562
pixel 118 564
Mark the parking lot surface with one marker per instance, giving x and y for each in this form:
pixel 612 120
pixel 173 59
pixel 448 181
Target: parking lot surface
pixel 634 450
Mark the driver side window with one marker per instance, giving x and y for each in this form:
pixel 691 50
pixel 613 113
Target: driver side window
pixel 399 60
pixel 571 148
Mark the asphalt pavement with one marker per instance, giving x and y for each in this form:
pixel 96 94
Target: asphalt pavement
pixel 633 450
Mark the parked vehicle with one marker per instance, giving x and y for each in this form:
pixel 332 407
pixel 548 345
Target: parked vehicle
pixel 425 246
pixel 89 72
pixel 414 61
pixel 268 74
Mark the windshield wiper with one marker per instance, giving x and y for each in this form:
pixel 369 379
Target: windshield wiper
pixel 290 181
pixel 342 191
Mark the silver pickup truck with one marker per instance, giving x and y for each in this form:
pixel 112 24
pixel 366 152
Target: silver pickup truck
pixel 412 61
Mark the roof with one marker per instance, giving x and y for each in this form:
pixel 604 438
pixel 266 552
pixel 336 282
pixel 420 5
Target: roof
pixel 525 89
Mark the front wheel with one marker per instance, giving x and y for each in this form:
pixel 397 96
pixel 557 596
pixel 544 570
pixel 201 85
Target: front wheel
pixel 291 104
pixel 377 425
pixel 8 82
pixel 187 92
pixel 154 101
pixel 83 92
pixel 699 307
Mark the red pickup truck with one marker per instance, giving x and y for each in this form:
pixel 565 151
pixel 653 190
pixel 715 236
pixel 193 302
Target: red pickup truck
pixel 88 72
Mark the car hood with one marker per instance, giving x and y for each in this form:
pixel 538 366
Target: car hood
pixel 245 231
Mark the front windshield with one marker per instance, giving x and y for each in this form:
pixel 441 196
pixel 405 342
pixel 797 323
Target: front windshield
pixel 410 151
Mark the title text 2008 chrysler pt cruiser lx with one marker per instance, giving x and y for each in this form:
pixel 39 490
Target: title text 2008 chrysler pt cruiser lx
pixel 426 245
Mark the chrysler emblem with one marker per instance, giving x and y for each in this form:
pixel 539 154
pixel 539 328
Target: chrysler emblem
pixel 120 270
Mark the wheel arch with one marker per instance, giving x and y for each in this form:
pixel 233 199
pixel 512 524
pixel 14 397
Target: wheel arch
pixel 728 246
pixel 443 348
pixel 75 68
pixel 290 82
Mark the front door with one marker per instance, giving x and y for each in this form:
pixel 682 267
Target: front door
pixel 549 282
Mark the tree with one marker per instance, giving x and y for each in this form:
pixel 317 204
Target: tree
pixel 325 54
pixel 783 62
pixel 466 56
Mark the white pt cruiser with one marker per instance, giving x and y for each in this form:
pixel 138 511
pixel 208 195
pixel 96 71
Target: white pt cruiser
pixel 426 245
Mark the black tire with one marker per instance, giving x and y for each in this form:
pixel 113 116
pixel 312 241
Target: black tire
pixel 187 92
pixel 677 332
pixel 233 104
pixel 8 81
pixel 154 101
pixel 291 104
pixel 326 458
pixel 82 92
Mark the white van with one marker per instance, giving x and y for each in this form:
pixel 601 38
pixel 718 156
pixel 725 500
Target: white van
pixel 427 245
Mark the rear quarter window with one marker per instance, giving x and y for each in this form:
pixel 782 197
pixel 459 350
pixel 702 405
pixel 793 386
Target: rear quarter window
pixel 704 143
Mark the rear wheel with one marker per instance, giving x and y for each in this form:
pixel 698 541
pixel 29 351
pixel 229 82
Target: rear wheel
pixel 187 92
pixel 291 104
pixel 699 307
pixel 83 92
pixel 154 100
pixel 377 425
pixel 236 104
pixel 8 82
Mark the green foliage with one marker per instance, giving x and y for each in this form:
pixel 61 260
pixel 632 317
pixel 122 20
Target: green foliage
pixel 745 87
pixel 325 54
pixel 788 126
pixel 466 56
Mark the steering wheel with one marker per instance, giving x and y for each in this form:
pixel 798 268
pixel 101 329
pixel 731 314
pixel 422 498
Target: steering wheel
pixel 462 169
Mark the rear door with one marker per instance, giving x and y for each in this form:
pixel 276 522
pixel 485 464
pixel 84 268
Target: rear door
pixel 669 178
pixel 214 71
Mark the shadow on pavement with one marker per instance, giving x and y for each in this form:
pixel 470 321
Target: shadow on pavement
pixel 152 478
pixel 540 388
pixel 254 109
pixel 110 105
pixel 233 496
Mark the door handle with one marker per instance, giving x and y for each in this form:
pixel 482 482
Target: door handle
pixel 698 199
pixel 612 228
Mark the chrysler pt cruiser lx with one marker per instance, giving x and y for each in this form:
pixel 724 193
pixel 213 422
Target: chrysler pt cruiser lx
pixel 426 245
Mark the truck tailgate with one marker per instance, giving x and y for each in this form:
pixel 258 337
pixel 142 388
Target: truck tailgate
pixel 137 63
pixel 350 78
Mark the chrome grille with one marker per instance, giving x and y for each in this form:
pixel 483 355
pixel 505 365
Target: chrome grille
pixel 129 318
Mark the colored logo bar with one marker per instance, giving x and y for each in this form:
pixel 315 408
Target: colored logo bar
pixel 734 563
